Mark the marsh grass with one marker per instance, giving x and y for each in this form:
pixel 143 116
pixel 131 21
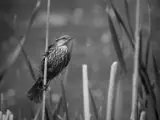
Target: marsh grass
pixel 111 92
pixel 86 101
pixel 14 55
pixel 142 89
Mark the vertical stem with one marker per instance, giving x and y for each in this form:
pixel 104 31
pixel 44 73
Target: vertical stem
pixel 85 93
pixel 11 117
pixel 148 39
pixel 2 102
pixel 119 100
pixel 46 59
pixel 143 115
pixel 136 65
pixel 111 91
pixel 65 76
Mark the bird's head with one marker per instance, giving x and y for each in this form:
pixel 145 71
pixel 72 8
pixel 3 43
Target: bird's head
pixel 64 40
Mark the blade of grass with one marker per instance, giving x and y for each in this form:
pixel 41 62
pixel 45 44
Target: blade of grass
pixel 65 76
pixel 85 93
pixel 135 78
pixel 1 115
pixel 37 114
pixel 8 113
pixel 148 86
pixel 143 115
pixel 11 117
pixel 145 79
pixel 128 17
pixel 32 114
pixel 156 71
pixel 140 48
pixel 111 92
pixel 116 44
pixel 80 116
pixel 46 59
pixel 2 102
pixel 149 3
pixel 64 100
pixel 143 71
pixel 127 10
pixel 122 23
pixel 13 56
pixel 100 111
pixel 3 71
pixel 148 39
pixel 20 114
pixel 14 21
pixel 119 96
pixel 93 104
pixel 33 16
pixel 64 116
pixel 28 63
pixel 59 117
pixel 50 98
pixel 57 109
pixel 147 53
pixel 146 83
pixel 48 113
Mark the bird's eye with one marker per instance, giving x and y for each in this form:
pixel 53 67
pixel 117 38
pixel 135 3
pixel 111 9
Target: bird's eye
pixel 64 38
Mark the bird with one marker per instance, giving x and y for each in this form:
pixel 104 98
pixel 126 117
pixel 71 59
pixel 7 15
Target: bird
pixel 58 55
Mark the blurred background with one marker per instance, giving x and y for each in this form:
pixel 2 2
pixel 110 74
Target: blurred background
pixel 86 20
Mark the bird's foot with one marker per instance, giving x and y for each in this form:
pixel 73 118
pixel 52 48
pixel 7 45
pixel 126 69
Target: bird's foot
pixel 46 54
pixel 45 87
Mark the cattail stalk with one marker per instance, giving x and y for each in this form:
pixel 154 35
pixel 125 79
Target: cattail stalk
pixel 111 91
pixel 143 115
pixel 85 93
pixel 11 117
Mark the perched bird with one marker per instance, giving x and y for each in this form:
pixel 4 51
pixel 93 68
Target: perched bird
pixel 59 55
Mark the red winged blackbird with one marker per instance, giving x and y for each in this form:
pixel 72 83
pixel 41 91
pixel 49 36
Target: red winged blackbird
pixel 59 55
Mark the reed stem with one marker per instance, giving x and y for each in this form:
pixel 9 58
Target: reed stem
pixel 46 59
pixel 136 65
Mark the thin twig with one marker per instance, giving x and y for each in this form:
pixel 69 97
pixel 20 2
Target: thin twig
pixel 111 91
pixel 136 65
pixel 46 59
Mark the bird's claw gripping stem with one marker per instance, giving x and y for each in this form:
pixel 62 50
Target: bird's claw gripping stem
pixel 46 54
pixel 45 87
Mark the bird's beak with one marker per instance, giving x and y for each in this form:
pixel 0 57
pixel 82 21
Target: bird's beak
pixel 69 39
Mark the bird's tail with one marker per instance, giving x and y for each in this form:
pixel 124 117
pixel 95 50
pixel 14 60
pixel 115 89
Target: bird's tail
pixel 35 94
